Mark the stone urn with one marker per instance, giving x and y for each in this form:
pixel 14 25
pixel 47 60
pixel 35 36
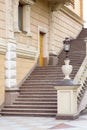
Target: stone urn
pixel 67 69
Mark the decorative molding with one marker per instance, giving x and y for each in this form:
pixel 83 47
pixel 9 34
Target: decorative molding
pixel 29 2
pixel 42 29
pixel 26 52
pixel 23 51
pixel 27 36
pixel 57 4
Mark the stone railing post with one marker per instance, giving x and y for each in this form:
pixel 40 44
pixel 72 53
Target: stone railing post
pixel 86 44
pixel 67 95
pixel 10 72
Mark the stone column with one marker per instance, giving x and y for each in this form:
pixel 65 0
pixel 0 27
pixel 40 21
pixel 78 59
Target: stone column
pixel 52 31
pixel 10 65
pixel 53 60
pixel 26 22
pixel 11 89
pixel 15 14
pixel 9 19
pixel 10 58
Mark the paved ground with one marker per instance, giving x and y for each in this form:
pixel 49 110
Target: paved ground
pixel 41 123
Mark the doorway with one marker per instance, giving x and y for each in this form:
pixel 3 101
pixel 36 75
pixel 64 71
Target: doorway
pixel 41 49
pixel 43 46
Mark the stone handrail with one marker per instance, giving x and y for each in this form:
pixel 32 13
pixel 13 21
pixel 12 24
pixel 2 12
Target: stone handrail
pixel 80 78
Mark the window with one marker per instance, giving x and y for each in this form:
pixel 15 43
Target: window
pixel 20 16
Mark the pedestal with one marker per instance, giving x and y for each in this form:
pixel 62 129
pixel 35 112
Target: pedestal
pixel 66 100
pixel 53 59
pixel 10 96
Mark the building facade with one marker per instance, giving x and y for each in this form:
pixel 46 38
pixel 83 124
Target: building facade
pixel 31 32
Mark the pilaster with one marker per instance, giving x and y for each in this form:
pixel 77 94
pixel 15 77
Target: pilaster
pixel 26 14
pixel 9 19
pixel 10 65
pixel 53 60
pixel 15 14
pixel 51 32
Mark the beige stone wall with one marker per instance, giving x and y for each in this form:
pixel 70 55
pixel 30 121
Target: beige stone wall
pixel 39 17
pixel 2 78
pixel 23 67
pixel 21 38
pixel 63 26
pixel 2 19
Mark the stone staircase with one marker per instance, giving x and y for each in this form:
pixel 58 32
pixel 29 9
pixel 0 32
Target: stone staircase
pixel 37 96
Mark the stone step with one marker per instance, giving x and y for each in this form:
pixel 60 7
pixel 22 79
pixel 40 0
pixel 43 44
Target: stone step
pixel 38 93
pixel 54 70
pixel 42 72
pixel 44 78
pixel 50 75
pixel 38 96
pixel 44 82
pixel 32 106
pixel 29 110
pixel 52 67
pixel 47 79
pixel 36 99
pixel 32 114
pixel 42 87
pixel 39 90
pixel 35 103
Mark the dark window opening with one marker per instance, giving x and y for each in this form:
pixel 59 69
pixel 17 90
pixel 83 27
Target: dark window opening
pixel 20 16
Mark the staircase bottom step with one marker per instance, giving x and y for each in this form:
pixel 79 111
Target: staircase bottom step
pixel 28 114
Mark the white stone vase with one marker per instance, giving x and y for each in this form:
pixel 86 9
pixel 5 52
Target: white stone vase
pixel 67 69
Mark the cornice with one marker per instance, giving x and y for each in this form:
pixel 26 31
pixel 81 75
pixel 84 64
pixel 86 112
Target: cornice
pixel 26 52
pixel 57 4
pixel 29 2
